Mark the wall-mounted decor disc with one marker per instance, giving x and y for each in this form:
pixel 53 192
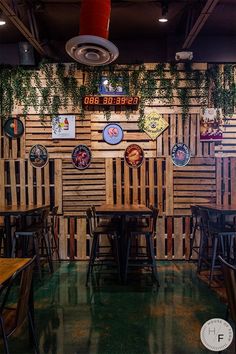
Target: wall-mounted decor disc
pixel 13 127
pixel 180 154
pixel 112 134
pixel 134 155
pixel 38 155
pixel 81 157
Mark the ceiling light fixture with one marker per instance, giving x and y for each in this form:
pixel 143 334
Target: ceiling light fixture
pixel 2 20
pixel 164 11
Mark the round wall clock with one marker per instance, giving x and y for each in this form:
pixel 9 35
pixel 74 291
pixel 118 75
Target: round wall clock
pixel 13 127
pixel 81 157
pixel 134 155
pixel 112 134
pixel 38 156
pixel 180 154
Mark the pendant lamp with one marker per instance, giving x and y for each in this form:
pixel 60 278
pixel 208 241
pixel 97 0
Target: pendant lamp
pixel 92 46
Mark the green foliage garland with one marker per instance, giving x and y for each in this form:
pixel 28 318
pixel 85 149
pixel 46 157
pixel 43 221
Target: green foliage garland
pixel 54 87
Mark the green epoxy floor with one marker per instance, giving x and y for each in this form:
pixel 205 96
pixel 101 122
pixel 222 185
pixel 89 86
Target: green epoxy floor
pixel 115 319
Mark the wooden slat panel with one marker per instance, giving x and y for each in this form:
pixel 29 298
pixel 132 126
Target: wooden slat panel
pixel 13 182
pixel 81 238
pixel 2 182
pixel 169 187
pixel 118 182
pixel 160 240
pixel 109 181
pixel 39 186
pixel 58 184
pixel 22 183
pixel 178 238
pixel 151 181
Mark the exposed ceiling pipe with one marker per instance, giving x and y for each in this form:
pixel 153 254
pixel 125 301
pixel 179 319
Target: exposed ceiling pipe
pixel 92 46
pixel 202 18
pixel 21 27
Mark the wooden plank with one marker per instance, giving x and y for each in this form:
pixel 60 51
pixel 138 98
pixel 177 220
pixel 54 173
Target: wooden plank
pixel 81 238
pixel 233 179
pixel 58 184
pixel 169 187
pixel 13 182
pixel 39 186
pixel 199 144
pixel 14 149
pixel 22 183
pixel 159 186
pixel 151 181
pixel 178 238
pixel 47 184
pixel 72 238
pixel 160 240
pixel 30 184
pixel 169 237
pixel 187 237
pixel 143 184
pixel 118 181
pixel 109 181
pixel 63 237
pixel 135 186
pixel 126 184
pixel 193 134
pixel 166 137
pixel 226 181
pixel 2 183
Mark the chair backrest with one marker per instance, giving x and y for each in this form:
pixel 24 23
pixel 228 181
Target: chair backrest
pixel 90 220
pixel 205 219
pixel 229 272
pixel 153 220
pixel 54 214
pixel 20 282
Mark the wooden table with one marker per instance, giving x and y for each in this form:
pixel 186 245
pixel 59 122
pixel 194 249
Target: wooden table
pixel 17 210
pixel 123 211
pixel 8 266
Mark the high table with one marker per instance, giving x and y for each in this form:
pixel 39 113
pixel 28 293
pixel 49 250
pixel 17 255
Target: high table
pixel 8 266
pixel 17 210
pixel 123 211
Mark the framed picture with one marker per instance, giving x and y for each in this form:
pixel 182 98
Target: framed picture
pixel 134 156
pixel 211 120
pixel 13 127
pixel 81 157
pixel 106 88
pixel 180 154
pixel 112 134
pixel 63 127
pixel 154 125
pixel 38 156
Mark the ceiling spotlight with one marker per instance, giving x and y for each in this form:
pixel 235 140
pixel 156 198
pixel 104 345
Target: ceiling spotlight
pixel 164 11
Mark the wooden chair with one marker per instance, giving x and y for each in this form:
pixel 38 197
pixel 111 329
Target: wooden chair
pixel 148 229
pixel 215 240
pixel 229 272
pixel 98 252
pixel 12 317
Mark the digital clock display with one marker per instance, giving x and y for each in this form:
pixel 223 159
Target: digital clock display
pixel 110 101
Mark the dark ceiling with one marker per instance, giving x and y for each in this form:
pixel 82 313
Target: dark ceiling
pixel 134 29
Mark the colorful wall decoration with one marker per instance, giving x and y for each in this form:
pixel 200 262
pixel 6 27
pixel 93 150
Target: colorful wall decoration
pixel 211 121
pixel 63 127
pixel 154 125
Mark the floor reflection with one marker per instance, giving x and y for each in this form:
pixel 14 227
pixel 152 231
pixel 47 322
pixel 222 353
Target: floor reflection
pixel 109 318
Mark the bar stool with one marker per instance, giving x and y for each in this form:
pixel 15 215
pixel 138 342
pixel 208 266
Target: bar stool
pixel 97 253
pixel 35 236
pixel 146 228
pixel 215 241
pixel 196 218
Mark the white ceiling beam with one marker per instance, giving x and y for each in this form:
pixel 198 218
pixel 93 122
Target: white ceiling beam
pixel 201 20
pixel 8 11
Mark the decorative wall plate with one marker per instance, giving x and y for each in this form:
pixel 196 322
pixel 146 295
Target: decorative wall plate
pixel 13 127
pixel 134 155
pixel 81 157
pixel 38 155
pixel 180 154
pixel 154 125
pixel 112 134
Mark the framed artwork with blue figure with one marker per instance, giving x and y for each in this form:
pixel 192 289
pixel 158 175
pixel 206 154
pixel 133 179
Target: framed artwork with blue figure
pixel 106 88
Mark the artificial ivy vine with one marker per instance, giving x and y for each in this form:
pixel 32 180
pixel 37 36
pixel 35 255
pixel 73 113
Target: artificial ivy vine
pixel 54 87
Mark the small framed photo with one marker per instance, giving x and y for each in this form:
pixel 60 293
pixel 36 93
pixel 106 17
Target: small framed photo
pixel 106 88
pixel 63 127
